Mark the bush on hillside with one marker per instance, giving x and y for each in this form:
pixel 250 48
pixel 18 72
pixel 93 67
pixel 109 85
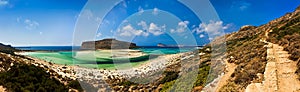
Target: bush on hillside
pixel 23 77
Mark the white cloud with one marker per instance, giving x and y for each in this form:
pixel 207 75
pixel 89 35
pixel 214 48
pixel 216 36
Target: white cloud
pixel 152 28
pixel 126 31
pixel 30 24
pixel 145 30
pixel 183 23
pixel 181 27
pixel 155 11
pixel 201 36
pixel 197 30
pixel 4 2
pixel 99 34
pixel 130 31
pixel 41 33
pixel 141 10
pixel 156 30
pixel 172 30
pixel 213 28
pixel 241 5
pixel 244 6
pixel 143 24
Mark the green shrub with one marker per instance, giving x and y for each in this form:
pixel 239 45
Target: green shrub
pixel 23 77
pixel 202 74
pixel 169 76
pixel 76 85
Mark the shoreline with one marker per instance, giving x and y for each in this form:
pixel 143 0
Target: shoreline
pixel 144 67
pixel 102 78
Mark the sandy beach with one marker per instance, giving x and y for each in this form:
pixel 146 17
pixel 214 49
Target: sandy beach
pixel 107 79
pixel 76 72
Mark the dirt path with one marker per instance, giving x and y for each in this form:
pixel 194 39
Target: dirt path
pixel 230 67
pixel 279 75
pixel 287 79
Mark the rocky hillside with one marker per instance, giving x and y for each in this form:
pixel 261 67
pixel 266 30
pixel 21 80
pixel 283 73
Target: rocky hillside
pixel 7 49
pixel 21 74
pixel 249 59
pixel 287 34
pixel 247 49
pixel 108 44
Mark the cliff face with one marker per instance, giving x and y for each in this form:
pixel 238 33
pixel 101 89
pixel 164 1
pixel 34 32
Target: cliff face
pixel 108 44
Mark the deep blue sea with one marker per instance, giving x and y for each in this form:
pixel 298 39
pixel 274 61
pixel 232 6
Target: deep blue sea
pixel 49 48
pixel 145 49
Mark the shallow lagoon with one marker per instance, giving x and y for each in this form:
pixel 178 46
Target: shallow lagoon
pixel 102 59
pixel 91 59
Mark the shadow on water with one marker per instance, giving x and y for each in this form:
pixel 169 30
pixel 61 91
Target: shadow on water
pixel 116 60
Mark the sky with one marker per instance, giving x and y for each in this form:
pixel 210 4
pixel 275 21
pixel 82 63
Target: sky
pixel 144 22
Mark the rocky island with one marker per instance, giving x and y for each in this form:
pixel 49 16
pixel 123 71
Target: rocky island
pixel 161 45
pixel 109 43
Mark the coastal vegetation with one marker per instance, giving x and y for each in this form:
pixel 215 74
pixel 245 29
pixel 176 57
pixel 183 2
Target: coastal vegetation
pixel 23 77
pixel 245 50
pixel 202 74
pixel 202 77
pixel 17 74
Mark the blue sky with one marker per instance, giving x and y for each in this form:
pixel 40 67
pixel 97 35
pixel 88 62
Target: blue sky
pixel 145 22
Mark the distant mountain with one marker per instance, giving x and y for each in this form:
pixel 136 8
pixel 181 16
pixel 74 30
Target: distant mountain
pixel 108 44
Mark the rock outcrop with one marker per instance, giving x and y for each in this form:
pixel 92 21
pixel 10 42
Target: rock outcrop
pixel 108 44
pixel 7 49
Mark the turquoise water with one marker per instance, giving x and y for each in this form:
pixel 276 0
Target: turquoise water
pixel 99 59
pixel 158 50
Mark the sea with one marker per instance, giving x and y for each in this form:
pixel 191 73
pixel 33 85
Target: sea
pixel 49 48
pixel 145 49
pixel 64 55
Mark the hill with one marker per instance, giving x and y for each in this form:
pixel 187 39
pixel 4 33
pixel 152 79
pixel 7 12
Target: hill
pixel 22 74
pixel 254 50
pixel 257 59
pixel 108 44
pixel 7 49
